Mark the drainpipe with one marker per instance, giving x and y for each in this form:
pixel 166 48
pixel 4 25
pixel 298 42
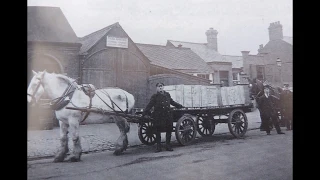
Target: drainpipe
pixel 81 61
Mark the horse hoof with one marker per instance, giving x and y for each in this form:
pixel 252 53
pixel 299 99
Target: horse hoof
pixel 56 160
pixel 74 159
pixel 117 152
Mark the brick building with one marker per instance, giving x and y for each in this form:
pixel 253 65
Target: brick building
pixel 264 65
pixel 224 68
pixel 109 58
pixel 176 59
pixel 52 46
pixel 52 43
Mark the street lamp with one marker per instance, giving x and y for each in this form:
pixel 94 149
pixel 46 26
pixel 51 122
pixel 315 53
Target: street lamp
pixel 279 63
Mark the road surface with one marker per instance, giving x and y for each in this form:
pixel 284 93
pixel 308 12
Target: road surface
pixel 221 157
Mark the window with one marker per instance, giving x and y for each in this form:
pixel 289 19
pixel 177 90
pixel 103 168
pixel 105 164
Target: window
pixel 224 78
pixel 260 73
pixel 235 76
pixel 205 76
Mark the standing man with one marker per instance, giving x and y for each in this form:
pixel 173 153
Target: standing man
pixel 286 106
pixel 162 115
pixel 258 90
pixel 267 111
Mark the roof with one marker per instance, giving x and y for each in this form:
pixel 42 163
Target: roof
pixel 183 59
pixel 288 39
pixel 90 40
pixel 48 24
pixel 201 49
pixel 237 61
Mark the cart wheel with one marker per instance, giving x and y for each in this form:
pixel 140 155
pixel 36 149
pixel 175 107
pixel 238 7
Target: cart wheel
pixel 237 123
pixel 147 134
pixel 205 127
pixel 185 130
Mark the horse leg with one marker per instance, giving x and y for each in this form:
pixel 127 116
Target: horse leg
pixel 63 150
pixel 77 149
pixel 122 142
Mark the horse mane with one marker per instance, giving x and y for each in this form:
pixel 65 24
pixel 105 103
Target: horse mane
pixel 69 80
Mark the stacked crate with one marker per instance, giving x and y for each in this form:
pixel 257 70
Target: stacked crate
pixel 207 96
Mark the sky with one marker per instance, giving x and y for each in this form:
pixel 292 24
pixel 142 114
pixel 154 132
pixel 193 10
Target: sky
pixel 242 25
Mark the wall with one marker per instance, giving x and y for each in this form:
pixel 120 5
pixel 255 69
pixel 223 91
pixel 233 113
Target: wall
pixel 65 54
pixel 284 51
pixel 221 66
pixel 268 57
pixel 126 68
pixel 52 57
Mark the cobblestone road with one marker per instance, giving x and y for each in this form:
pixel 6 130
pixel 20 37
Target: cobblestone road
pixel 101 137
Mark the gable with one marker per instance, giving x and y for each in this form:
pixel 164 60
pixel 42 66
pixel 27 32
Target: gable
pixel 48 24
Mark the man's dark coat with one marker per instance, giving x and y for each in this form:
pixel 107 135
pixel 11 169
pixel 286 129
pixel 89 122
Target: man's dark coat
pixel 286 103
pixel 267 105
pixel 162 112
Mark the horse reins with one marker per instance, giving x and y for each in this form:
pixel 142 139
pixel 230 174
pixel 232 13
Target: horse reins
pixel 36 90
pixel 113 103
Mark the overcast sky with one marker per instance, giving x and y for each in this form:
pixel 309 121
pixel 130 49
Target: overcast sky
pixel 241 24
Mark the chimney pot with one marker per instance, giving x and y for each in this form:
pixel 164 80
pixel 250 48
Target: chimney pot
pixel 212 41
pixel 275 31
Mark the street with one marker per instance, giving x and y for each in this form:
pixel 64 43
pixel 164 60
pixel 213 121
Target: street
pixel 256 156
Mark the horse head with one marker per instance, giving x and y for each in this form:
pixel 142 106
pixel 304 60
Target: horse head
pixel 35 88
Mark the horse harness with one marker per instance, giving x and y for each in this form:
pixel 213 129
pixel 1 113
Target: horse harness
pixel 90 91
pixel 60 102
pixel 38 85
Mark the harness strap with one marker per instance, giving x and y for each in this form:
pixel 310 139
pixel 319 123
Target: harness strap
pixel 127 106
pixel 87 114
pixel 112 103
pixel 67 93
pixel 105 102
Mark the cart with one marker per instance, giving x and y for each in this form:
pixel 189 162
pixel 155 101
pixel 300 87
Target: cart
pixel 189 121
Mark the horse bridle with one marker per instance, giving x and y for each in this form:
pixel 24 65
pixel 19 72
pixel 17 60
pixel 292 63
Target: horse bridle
pixel 36 90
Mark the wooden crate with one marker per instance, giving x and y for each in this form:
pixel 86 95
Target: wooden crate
pixel 206 96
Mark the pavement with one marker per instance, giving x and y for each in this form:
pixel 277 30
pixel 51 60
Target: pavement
pixel 102 137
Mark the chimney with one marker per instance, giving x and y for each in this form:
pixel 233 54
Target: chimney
pixel 245 53
pixel 212 41
pixel 275 31
pixel 260 48
pixel 179 46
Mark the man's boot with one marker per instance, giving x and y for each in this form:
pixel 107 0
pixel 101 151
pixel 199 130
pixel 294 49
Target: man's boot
pixel 168 144
pixel 158 140
pixel 158 148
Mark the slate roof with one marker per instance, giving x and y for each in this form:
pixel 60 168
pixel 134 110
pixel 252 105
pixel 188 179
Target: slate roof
pixel 237 61
pixel 288 39
pixel 183 59
pixel 90 40
pixel 201 49
pixel 48 24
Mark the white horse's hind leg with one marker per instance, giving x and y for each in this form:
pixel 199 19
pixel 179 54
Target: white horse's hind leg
pixel 122 142
pixel 77 149
pixel 63 150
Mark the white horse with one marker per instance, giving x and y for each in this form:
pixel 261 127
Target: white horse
pixel 60 87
